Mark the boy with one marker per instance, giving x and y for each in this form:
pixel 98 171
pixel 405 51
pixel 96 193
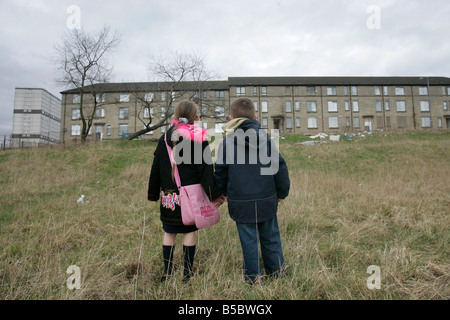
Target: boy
pixel 252 188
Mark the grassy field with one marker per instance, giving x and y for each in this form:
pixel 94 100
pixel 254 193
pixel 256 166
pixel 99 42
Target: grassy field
pixel 379 200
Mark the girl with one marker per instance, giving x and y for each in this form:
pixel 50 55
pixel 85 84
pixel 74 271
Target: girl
pixel 162 182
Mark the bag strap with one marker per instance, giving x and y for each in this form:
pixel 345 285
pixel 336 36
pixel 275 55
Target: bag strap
pixel 173 164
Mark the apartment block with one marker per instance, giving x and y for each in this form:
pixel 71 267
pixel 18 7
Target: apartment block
pixel 37 117
pixel 289 104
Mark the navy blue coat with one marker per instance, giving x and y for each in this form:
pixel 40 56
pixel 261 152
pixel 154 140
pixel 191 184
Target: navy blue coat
pixel 251 180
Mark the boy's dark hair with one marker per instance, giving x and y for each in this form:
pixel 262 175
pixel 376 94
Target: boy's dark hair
pixel 242 108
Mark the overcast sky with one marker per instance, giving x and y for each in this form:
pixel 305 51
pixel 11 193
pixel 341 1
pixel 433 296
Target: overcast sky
pixel 238 37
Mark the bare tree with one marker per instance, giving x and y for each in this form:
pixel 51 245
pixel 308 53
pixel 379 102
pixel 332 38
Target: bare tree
pixel 82 60
pixel 181 76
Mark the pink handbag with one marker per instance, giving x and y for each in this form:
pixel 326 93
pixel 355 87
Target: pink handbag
pixel 196 208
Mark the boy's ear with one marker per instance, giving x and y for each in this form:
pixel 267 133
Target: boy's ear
pixel 231 117
pixel 256 118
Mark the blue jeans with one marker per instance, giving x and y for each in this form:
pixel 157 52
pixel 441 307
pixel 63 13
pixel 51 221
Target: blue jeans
pixel 272 254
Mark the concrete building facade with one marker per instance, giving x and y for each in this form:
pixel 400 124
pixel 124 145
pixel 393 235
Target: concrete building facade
pixel 37 117
pixel 290 104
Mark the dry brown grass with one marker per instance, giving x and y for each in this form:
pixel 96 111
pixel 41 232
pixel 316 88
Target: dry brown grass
pixel 379 201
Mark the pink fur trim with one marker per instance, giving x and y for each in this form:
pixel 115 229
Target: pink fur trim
pixel 191 132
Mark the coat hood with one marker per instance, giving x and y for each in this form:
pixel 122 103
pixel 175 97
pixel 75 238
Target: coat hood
pixel 187 131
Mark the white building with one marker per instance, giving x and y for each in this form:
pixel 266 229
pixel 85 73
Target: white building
pixel 37 117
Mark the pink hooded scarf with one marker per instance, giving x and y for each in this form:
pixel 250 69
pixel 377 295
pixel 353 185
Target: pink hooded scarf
pixel 189 131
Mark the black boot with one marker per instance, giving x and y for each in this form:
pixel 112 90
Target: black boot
pixel 188 253
pixel 168 261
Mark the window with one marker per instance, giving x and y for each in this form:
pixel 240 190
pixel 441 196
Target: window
pixel 439 122
pixel 264 106
pixel 443 90
pixel 288 106
pixel 163 129
pixel 332 106
pixel 311 106
pixel 346 105
pixel 399 91
pixel 346 91
pixel 297 105
pixel 108 130
pixel 147 113
pixel 426 122
pixel 355 105
pixel 423 91
pixel 220 111
pixel 312 123
pixel 311 91
pixel 378 106
pixel 377 91
pixel 149 132
pixel 388 121
pixel 218 127
pixel 76 114
pixel 255 91
pixel 163 96
pixel 287 90
pixel 385 91
pixel 356 122
pixel 100 97
pixel 264 90
pixel 331 91
pixel 297 122
pixel 288 122
pixel 402 122
pixel 265 121
pixel 98 128
pixel 379 122
pixel 240 91
pixel 123 128
pixel 219 94
pixel 401 106
pixel 100 112
pixel 123 113
pixel 386 105
pixel 204 110
pixel 354 91
pixel 255 104
pixel 424 106
pixel 445 105
pixel 76 98
pixel 205 95
pixel 76 130
pixel 124 97
pixel 163 112
pixel 333 122
pixel 149 96
pixel 347 121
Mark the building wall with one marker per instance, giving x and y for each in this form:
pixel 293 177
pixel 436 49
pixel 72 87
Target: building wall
pixel 291 108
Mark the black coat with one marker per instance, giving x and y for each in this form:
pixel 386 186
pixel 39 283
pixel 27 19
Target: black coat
pixel 252 196
pixel 160 181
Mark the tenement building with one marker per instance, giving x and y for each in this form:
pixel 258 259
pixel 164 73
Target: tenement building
pixel 37 117
pixel 290 104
